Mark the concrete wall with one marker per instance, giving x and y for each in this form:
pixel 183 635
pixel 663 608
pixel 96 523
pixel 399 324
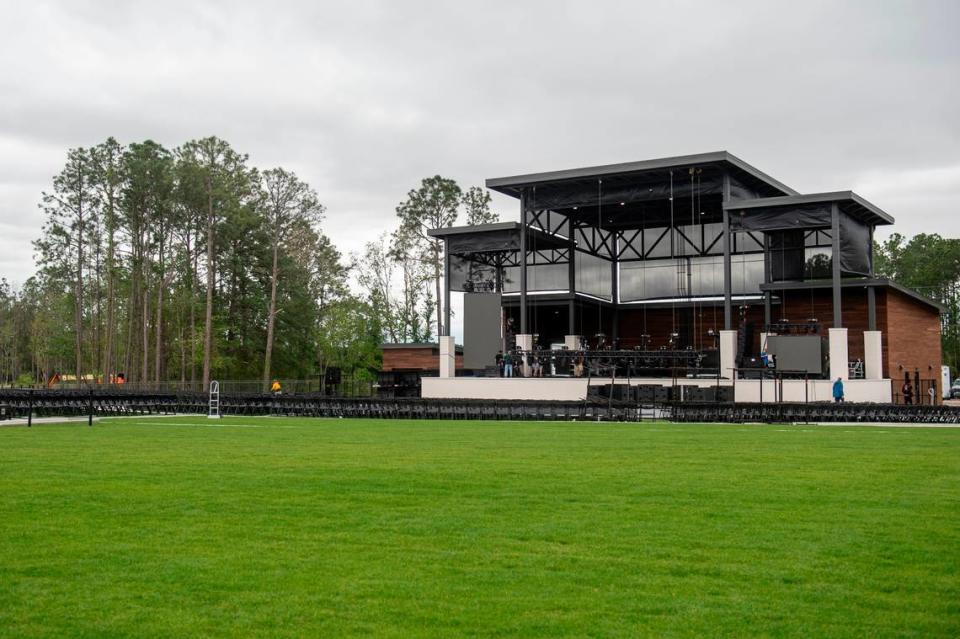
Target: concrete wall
pixel 820 390
pixel 571 389
pixel 575 389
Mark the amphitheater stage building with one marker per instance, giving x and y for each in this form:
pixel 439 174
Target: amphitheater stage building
pixel 698 270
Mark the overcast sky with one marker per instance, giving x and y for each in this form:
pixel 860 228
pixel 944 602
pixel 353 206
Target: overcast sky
pixel 363 99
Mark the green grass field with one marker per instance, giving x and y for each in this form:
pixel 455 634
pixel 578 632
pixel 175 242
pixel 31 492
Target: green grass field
pixel 163 527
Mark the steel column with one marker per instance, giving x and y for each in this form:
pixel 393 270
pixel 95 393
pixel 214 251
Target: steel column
pixel 727 266
pixel 767 295
pixel 871 309
pixel 614 288
pixel 445 329
pixel 523 262
pixel 572 279
pixel 835 231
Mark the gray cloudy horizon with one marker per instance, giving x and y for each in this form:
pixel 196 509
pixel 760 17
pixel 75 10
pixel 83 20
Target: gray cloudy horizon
pixel 363 99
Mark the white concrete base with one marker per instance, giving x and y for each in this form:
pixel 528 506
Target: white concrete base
pixel 505 388
pixel 839 354
pixel 448 357
pixel 873 354
pixel 728 353
pixel 817 390
pixel 575 389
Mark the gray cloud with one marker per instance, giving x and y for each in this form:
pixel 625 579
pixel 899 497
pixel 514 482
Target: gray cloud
pixel 365 98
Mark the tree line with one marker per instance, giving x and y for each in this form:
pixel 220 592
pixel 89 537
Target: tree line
pixel 930 265
pixel 190 264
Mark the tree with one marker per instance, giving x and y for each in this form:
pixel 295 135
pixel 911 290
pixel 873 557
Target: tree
pixel 225 185
pixel 69 208
pixel 415 306
pixel 375 276
pixel 288 203
pixel 930 264
pixel 347 339
pixel 476 204
pixel 434 205
pixel 107 176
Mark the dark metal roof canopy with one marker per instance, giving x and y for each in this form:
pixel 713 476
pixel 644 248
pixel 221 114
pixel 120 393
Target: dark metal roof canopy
pixel 490 238
pixel 636 171
pixel 806 209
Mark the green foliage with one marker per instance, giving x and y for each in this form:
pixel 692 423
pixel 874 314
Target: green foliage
pixel 154 527
pixel 929 264
pixel 476 205
pixel 136 238
pixel 348 338
pixel 141 240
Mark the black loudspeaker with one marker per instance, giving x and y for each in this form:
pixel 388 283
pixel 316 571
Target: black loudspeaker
pixel 332 378
pixel 721 394
pixel 620 392
pixel 646 393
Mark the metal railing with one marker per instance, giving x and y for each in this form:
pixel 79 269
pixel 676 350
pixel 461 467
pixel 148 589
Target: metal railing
pixel 619 363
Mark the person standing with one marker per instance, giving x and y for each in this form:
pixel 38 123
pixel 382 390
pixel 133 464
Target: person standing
pixel 499 361
pixel 838 390
pixel 907 391
pixel 507 364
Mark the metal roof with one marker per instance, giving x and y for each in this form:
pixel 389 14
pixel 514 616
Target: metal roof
pixel 477 228
pixel 849 202
pixel 511 185
pixel 541 238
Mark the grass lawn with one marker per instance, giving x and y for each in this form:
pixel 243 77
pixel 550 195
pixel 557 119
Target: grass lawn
pixel 163 527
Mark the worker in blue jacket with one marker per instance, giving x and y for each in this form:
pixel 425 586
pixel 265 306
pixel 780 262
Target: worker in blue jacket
pixel 838 390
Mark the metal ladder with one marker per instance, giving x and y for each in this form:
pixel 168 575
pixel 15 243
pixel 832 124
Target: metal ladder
pixel 214 412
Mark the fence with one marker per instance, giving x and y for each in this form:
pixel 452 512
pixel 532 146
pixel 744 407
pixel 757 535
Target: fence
pixel 921 392
pixel 699 408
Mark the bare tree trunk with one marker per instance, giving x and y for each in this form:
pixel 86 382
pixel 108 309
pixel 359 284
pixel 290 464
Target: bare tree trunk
pixel 98 309
pixel 109 367
pixel 78 311
pixel 271 317
pixel 128 355
pixel 158 348
pixel 183 353
pixel 193 314
pixel 208 323
pixel 145 360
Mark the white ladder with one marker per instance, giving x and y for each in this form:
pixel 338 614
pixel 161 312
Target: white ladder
pixel 214 412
